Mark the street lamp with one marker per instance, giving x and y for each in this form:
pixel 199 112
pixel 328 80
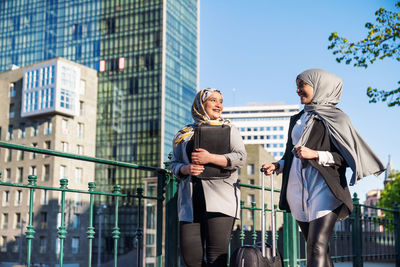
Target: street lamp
pixel 100 215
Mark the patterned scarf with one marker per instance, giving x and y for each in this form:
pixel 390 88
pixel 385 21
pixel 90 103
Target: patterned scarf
pixel 199 116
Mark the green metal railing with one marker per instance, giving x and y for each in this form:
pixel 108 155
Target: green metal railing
pixel 163 177
pixel 359 238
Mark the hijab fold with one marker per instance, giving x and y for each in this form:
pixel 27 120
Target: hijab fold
pixel 327 93
pixel 199 116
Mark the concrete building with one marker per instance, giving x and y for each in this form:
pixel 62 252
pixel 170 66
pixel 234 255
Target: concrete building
pixel 48 105
pixel 264 124
pixel 250 174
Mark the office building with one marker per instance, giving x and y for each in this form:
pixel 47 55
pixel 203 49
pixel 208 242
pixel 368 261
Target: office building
pixel 264 124
pixel 250 174
pixel 147 56
pixel 46 105
pixel 146 53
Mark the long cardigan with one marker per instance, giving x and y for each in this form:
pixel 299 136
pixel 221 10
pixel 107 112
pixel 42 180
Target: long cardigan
pixel 221 195
pixel 334 175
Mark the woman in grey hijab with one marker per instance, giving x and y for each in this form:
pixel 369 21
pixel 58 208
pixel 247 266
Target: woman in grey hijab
pixel 321 144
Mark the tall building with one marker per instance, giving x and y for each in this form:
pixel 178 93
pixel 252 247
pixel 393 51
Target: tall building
pixel 146 52
pixel 46 105
pixel 264 124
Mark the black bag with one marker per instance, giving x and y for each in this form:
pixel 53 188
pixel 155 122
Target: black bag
pixel 252 256
pixel 215 139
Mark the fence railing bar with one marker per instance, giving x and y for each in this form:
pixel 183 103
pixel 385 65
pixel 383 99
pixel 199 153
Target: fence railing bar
pixel 79 157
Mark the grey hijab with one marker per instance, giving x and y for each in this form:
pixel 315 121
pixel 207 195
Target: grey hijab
pixel 327 93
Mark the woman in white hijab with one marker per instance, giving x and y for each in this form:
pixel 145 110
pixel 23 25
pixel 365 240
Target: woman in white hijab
pixel 321 144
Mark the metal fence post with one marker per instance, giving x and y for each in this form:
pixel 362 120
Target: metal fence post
pixel 397 232
pixel 160 210
pixel 291 240
pixel 357 233
pixel 30 229
pixel 171 223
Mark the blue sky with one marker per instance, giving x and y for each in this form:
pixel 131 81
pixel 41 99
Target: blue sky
pixel 258 47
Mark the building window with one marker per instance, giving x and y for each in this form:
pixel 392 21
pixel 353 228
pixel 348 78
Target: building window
pixel 262 128
pixel 281 128
pixel 248 137
pixel 64 146
pixel 22 130
pixel 281 137
pixel 17 224
pixel 12 90
pixel 243 137
pixel 249 129
pixel 281 145
pixel 7 175
pixel 78 175
pixel 20 177
pixel 81 108
pixel 64 126
pixel 262 137
pixel 4 224
pixel 16 244
pixel 250 169
pixel 45 198
pixel 75 245
pixel 46 172
pixel 11 112
pixel 43 245
pixel 76 221
pixel 80 130
pixel 79 149
pixel 268 128
pixel 10 135
pixel 35 128
pixel 251 181
pixel 63 171
pixel 18 198
pixel 242 129
pixel 251 198
pixel 8 155
pixel 268 137
pixel 6 198
pixel 43 220
pixel 275 128
pixel 48 126
pixel 33 153
pixel 275 136
pixel 255 137
pixel 21 155
pixel 33 170
pixel 3 244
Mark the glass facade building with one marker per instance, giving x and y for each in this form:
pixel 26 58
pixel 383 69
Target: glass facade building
pixel 146 54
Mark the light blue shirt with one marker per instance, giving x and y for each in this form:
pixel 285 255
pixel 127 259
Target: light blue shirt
pixel 317 199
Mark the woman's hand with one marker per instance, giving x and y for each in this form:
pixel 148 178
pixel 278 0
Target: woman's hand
pixel 192 169
pixel 306 153
pixel 269 168
pixel 201 156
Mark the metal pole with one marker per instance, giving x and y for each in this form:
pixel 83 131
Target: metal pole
pixel 21 226
pixel 100 213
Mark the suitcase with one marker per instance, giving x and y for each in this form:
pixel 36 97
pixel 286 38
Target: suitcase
pixel 253 256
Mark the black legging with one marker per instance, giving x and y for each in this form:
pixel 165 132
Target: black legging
pixel 317 234
pixel 210 228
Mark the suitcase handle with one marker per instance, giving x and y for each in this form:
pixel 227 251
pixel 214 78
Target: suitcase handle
pixel 262 170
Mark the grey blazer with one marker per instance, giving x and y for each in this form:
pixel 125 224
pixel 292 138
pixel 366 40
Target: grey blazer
pixel 221 195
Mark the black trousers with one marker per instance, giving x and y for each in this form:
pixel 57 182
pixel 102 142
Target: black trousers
pixel 205 241
pixel 317 234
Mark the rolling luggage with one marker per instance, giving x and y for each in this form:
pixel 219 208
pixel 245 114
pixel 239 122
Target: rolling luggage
pixel 252 256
